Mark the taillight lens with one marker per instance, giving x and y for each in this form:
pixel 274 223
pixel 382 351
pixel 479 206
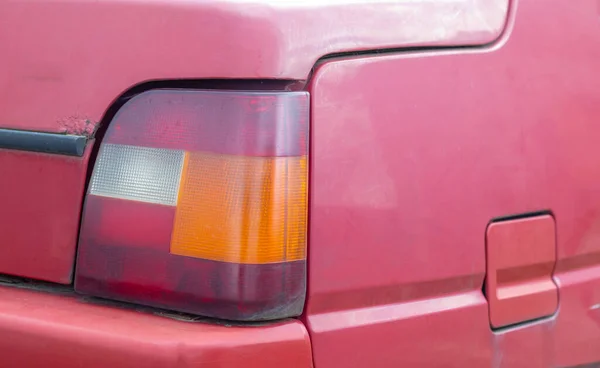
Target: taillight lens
pixel 198 203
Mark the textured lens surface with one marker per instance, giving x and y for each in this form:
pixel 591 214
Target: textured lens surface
pixel 143 174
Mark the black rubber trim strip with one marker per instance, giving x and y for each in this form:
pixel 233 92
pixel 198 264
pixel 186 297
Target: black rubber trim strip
pixel 61 144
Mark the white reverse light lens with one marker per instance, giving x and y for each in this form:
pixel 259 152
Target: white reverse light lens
pixel 143 174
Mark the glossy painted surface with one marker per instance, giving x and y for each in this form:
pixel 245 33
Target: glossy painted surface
pixel 62 65
pixel 40 197
pixel 520 259
pixel 413 154
pixel 43 330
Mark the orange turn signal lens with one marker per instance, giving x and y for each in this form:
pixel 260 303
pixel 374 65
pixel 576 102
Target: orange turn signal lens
pixel 241 209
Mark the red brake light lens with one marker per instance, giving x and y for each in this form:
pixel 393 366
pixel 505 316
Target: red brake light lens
pixel 198 203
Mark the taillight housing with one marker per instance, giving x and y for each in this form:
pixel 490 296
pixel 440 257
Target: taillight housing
pixel 198 203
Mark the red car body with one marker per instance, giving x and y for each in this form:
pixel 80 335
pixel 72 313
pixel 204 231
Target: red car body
pixel 454 201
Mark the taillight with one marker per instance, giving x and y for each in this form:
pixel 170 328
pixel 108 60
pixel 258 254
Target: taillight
pixel 198 203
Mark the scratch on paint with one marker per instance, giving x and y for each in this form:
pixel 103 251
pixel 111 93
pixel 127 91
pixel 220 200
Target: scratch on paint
pixel 497 351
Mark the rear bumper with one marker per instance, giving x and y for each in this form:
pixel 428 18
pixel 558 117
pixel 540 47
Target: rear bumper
pixel 39 329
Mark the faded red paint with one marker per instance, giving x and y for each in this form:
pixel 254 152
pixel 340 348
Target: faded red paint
pixel 41 196
pixel 73 58
pixel 414 154
pixel 38 329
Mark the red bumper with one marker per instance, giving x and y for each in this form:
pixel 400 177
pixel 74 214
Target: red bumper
pixel 39 329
